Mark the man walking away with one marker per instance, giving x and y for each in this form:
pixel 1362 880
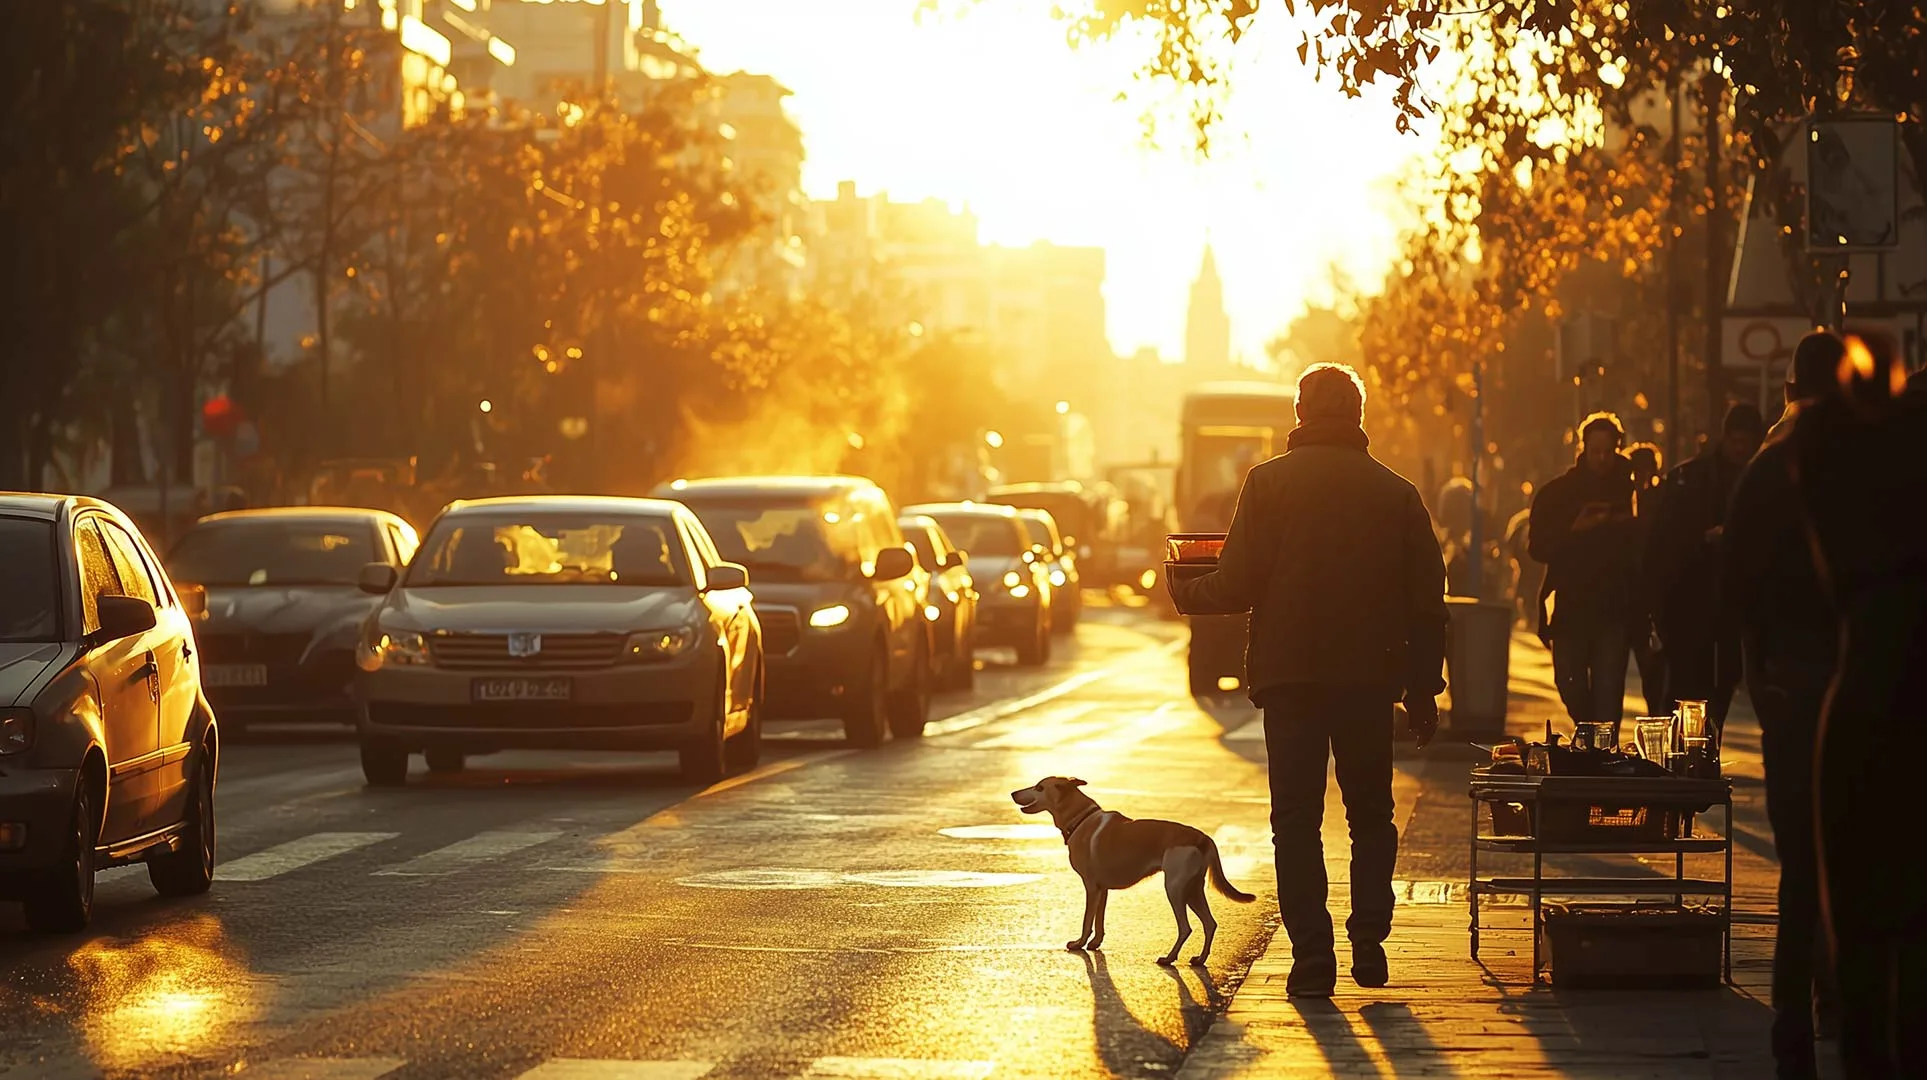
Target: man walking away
pixel 1582 529
pixel 1681 568
pixel 1771 592
pixel 1862 481
pixel 1646 461
pixel 1334 556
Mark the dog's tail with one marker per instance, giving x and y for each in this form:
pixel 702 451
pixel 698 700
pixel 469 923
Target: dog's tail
pixel 1218 879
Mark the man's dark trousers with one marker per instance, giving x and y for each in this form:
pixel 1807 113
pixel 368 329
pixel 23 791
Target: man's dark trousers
pixel 1789 724
pixel 1589 668
pixel 1307 726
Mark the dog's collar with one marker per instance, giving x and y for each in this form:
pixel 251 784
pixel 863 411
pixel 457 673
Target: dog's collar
pixel 1084 815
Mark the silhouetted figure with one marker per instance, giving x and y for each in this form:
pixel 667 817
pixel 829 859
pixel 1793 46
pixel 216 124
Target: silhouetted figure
pixel 1582 529
pixel 1650 661
pixel 1861 476
pixel 1334 557
pixel 1682 567
pixel 1772 593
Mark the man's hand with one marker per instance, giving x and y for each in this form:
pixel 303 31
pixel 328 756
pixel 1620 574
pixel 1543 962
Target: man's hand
pixel 1422 717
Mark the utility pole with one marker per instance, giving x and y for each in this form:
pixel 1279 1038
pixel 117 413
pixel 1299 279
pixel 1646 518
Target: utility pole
pixel 1673 275
pixel 1714 95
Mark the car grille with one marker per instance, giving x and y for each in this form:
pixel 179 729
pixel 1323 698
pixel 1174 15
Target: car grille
pixel 782 629
pixel 528 717
pixel 272 649
pixel 560 652
pixel 326 675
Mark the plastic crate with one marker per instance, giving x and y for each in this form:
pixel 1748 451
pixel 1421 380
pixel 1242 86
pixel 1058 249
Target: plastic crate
pixel 1578 823
pixel 1632 946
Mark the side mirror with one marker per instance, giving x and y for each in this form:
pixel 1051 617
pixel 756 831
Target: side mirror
pixel 377 579
pixel 123 617
pixel 893 563
pixel 193 600
pixel 726 576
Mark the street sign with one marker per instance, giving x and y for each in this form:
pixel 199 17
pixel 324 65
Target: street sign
pixel 1853 189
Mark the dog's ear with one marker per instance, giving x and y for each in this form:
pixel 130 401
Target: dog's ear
pixel 1073 781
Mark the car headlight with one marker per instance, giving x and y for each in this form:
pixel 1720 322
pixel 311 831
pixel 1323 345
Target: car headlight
pixel 825 617
pixel 649 645
pixel 1020 591
pixel 16 731
pixel 930 612
pixel 1057 578
pixel 1011 580
pixel 950 595
pixel 399 647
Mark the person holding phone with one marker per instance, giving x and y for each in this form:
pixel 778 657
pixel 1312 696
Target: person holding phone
pixel 1582 529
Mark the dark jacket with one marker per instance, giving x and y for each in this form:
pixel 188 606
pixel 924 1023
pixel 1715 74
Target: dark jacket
pixel 1333 555
pixel 1681 566
pixel 1589 572
pixel 1769 588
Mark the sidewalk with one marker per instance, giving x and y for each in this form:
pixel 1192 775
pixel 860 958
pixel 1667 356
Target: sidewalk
pixel 1448 1016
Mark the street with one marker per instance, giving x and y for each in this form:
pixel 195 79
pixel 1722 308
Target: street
pixel 833 913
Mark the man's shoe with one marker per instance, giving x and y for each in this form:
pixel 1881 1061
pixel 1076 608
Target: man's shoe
pixel 1369 968
pixel 1316 977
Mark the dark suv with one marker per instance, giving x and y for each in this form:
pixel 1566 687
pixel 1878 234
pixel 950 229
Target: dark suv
pixel 838 592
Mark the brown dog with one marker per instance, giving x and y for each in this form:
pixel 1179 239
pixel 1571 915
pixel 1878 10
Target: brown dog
pixel 1111 851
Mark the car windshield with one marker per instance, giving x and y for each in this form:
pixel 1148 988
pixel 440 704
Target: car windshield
pixel 1039 533
pixel 550 549
pixel 269 552
pixel 783 543
pixel 29 581
pixel 986 535
pixel 1067 510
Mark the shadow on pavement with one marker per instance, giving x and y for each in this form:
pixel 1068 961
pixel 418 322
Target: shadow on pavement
pixel 1344 1050
pixel 1125 1044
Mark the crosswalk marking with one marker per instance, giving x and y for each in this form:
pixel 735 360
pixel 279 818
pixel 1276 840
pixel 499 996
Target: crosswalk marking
pixel 296 854
pixel 324 1068
pixel 614 1069
pixel 854 1068
pixel 463 854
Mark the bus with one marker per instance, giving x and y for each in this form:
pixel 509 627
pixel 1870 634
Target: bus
pixel 1226 428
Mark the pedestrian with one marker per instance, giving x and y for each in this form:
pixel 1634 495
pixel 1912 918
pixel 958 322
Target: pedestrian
pixel 1525 572
pixel 1770 590
pixel 1647 658
pixel 1862 484
pixel 1680 568
pixel 1334 556
pixel 1582 530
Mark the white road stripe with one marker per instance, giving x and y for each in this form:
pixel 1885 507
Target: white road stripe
pixel 1251 732
pixel 323 1068
pixel 855 1068
pixel 296 854
pixel 1049 729
pixel 978 717
pixel 614 1069
pixel 463 854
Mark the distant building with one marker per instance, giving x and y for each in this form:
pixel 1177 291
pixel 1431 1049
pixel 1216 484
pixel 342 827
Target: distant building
pixel 1207 329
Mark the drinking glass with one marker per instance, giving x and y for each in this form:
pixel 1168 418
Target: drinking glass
pixel 1692 719
pixel 1654 737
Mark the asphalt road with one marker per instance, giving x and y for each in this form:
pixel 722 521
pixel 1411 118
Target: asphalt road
pixel 882 913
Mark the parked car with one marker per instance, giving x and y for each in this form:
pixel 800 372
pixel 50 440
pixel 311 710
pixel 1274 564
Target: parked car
pixel 561 622
pixel 1013 583
pixel 838 591
pixel 1090 520
pixel 1060 565
pixel 284 611
pixel 953 600
pixel 108 751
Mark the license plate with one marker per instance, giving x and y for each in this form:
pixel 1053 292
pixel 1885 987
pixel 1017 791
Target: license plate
pixel 522 689
pixel 234 674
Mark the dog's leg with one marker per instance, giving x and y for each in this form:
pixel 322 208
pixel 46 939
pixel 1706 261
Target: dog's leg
pixel 1092 898
pixel 1202 905
pixel 1097 931
pixel 1174 890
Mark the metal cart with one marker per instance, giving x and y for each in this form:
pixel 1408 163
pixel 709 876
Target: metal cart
pixel 1538 794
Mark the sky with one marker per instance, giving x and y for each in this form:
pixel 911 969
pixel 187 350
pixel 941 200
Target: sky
pixel 989 107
